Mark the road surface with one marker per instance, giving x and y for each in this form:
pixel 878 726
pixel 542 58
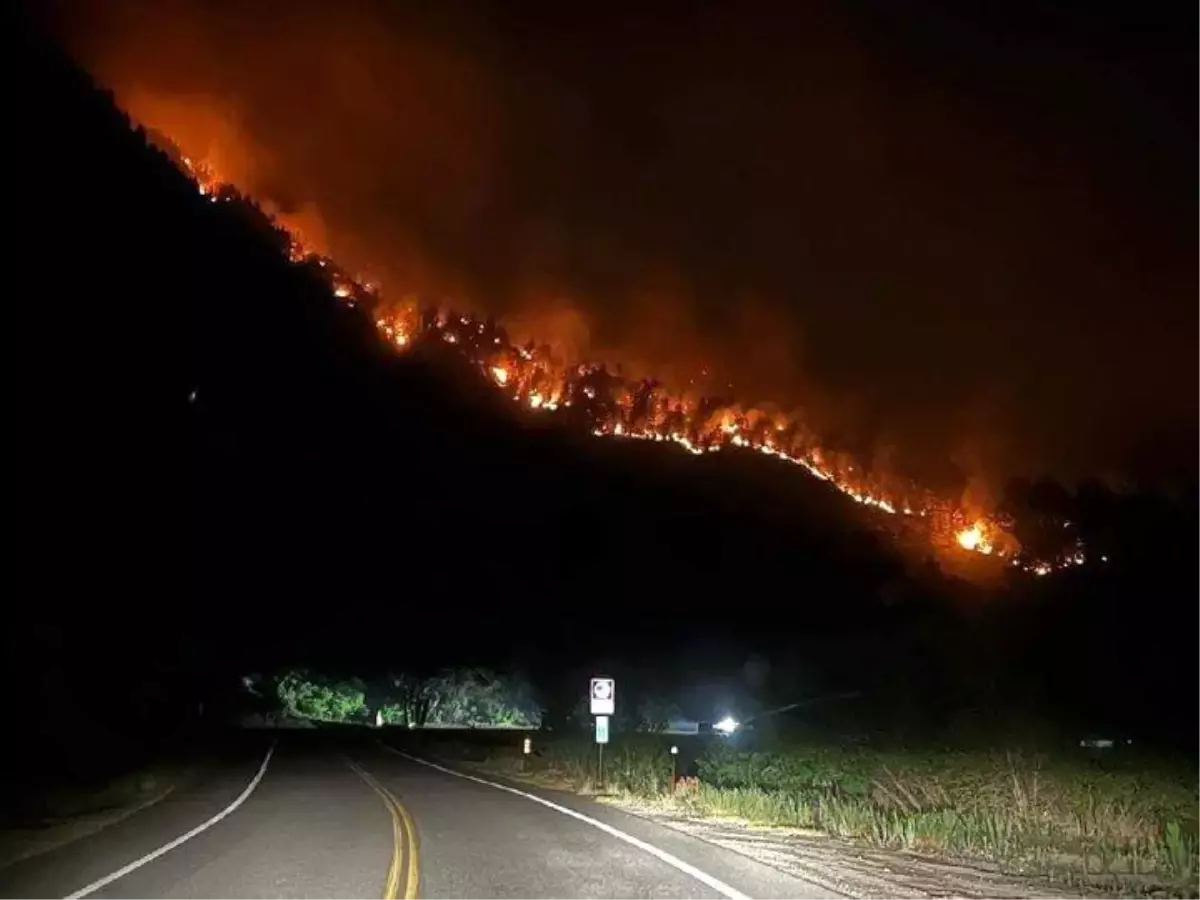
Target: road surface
pixel 337 814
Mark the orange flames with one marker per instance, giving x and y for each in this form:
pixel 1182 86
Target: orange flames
pixel 975 538
pixel 642 410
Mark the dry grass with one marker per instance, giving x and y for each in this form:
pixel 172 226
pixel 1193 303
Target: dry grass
pixel 1128 828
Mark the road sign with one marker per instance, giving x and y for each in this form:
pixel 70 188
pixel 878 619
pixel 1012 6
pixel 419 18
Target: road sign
pixel 603 696
pixel 601 729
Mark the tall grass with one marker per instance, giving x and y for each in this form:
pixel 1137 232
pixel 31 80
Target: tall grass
pixel 1088 822
pixel 637 765
pixel 1075 818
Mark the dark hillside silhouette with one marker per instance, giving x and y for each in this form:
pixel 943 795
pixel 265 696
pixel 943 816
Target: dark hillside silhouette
pixel 220 468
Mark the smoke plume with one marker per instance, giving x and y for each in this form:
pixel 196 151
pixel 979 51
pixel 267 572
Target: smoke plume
pixel 974 269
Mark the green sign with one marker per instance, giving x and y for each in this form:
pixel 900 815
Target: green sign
pixel 601 729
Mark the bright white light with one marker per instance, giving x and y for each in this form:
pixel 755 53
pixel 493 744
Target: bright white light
pixel 527 746
pixel 727 725
pixel 674 750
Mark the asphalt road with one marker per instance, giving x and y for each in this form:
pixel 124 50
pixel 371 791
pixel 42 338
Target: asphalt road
pixel 336 814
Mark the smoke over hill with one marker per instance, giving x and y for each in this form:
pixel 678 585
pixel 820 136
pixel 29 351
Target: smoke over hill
pixel 966 278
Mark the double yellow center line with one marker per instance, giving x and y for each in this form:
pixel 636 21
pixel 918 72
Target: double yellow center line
pixel 404 835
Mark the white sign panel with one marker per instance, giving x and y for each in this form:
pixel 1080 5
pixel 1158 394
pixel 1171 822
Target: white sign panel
pixel 603 696
pixel 601 729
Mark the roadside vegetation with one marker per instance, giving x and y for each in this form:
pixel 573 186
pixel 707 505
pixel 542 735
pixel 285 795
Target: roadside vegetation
pixel 1120 825
pixel 452 698
pixel 68 812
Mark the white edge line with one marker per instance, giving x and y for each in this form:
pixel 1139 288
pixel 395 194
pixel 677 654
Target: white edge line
pixel 166 848
pixel 670 859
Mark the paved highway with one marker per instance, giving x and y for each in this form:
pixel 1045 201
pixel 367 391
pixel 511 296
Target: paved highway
pixel 336 814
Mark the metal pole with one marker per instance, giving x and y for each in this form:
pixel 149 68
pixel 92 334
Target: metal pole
pixel 601 764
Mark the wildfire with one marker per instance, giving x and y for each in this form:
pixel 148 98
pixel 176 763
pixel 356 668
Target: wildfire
pixel 975 538
pixel 639 410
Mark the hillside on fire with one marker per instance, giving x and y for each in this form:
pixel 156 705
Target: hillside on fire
pixel 224 465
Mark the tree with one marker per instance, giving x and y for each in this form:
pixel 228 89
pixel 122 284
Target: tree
pixel 654 713
pixel 313 697
pixel 473 696
pixel 416 698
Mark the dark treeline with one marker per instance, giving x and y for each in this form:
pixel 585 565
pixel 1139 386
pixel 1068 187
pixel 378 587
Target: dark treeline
pixel 220 469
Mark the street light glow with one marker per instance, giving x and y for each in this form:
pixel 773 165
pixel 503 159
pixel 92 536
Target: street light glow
pixel 727 725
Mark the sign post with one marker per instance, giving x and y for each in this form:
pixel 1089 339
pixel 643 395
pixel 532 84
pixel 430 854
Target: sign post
pixel 601 740
pixel 603 702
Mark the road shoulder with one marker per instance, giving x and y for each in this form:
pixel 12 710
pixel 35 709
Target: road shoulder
pixel 750 876
pixel 19 844
pixel 67 865
pixel 844 867
pixel 824 865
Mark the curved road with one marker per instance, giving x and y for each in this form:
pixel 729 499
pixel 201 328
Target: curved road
pixel 336 814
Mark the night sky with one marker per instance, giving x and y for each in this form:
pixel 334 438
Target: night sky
pixel 952 237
